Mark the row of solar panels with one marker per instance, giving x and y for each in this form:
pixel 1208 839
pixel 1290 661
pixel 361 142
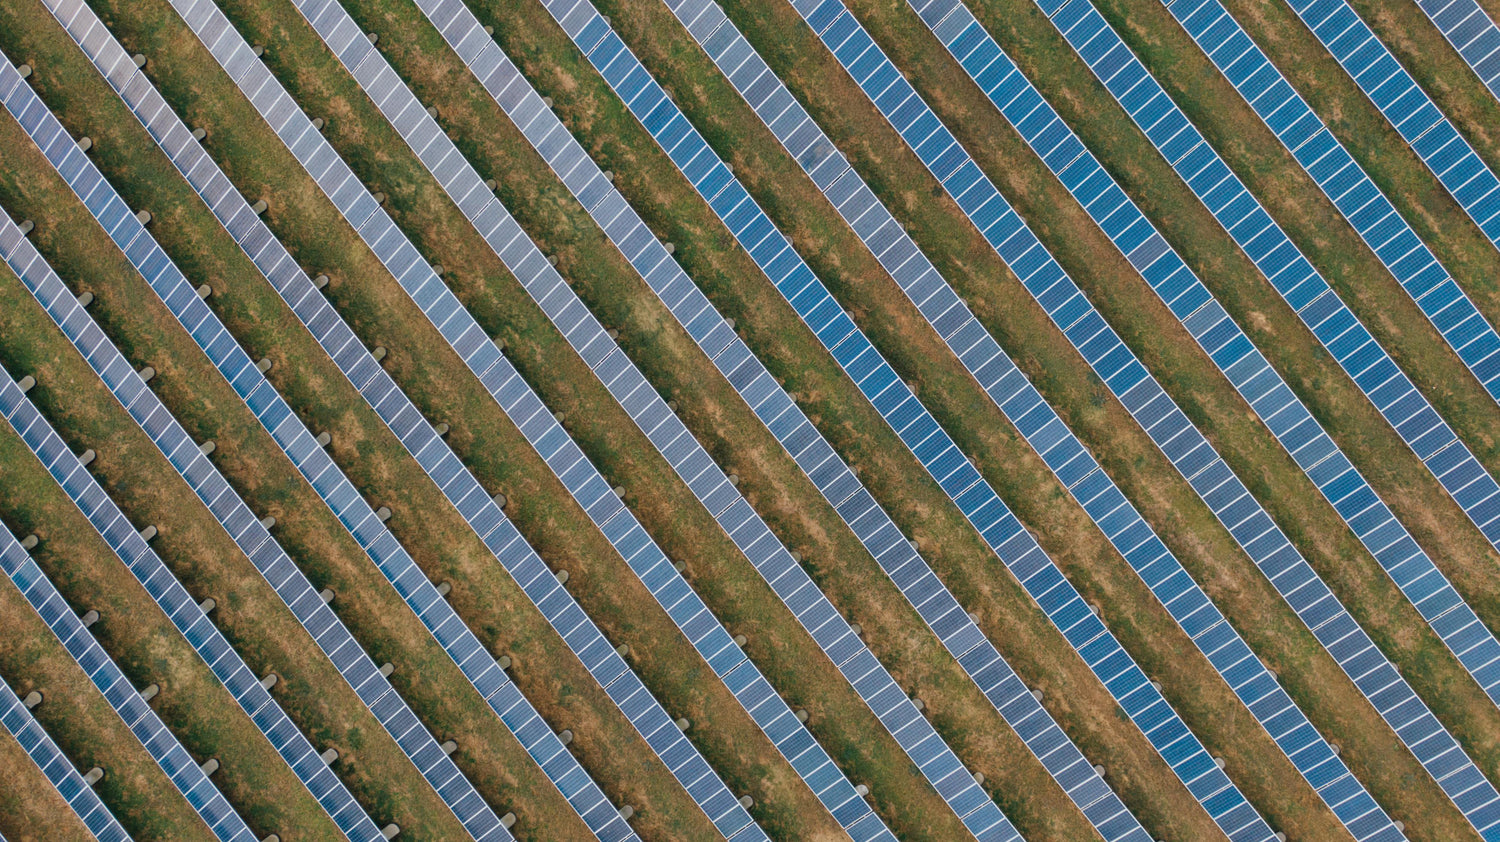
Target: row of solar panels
pixel 331 635
pixel 1227 345
pixel 1244 518
pixel 482 513
pixel 54 765
pixel 333 487
pixel 1408 108
pixel 596 497
pixel 1351 190
pixel 194 625
pixel 667 433
pixel 1469 29
pixel 1288 271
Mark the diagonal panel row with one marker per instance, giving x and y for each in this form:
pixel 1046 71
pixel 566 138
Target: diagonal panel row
pixel 111 524
pixel 57 768
pixel 587 486
pixel 180 767
pixel 1168 427
pixel 1304 290
pixel 1078 471
pixel 665 430
pixel 1469 29
pixel 1408 108
pixel 330 633
pixel 1128 380
pixel 457 484
pixel 1225 343
pixel 334 488
pixel 1357 198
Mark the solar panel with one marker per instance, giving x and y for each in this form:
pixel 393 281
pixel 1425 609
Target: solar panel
pixel 326 629
pixel 59 771
pixel 769 711
pixel 1472 33
pixel 181 609
pixel 1358 199
pixel 1371 368
pixel 1204 318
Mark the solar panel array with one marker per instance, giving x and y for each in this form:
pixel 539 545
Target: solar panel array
pixel 326 629
pixel 667 433
pixel 1306 291
pixel 182 609
pixel 1375 70
pixel 1184 445
pixel 1107 506
pixel 56 767
pixel 180 767
pixel 817 459
pixel 1226 344
pixel 593 493
pixel 357 516
pixel 1371 214
pixel 1409 109
pixel 1469 29
pixel 1298 739
pixel 463 491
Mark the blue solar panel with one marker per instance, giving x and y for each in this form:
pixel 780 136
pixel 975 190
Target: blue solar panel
pixel 336 642
pixel 1376 220
pixel 54 765
pixel 1204 318
pixel 463 491
pixel 181 609
pixel 1472 33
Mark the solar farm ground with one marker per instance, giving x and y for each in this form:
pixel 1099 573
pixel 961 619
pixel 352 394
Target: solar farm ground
pixel 267 794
